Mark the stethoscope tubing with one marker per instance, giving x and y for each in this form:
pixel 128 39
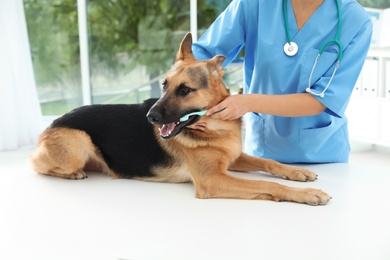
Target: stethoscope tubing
pixel 322 48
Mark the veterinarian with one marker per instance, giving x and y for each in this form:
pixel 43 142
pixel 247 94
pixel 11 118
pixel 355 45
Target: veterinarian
pixel 294 105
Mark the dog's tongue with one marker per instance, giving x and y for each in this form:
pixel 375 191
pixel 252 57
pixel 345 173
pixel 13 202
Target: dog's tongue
pixel 166 130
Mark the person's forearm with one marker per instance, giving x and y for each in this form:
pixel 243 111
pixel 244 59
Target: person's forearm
pixel 291 105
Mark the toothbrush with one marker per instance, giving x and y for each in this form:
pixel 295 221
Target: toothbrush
pixel 199 113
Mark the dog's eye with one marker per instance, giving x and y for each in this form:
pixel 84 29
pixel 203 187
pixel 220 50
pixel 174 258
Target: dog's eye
pixel 165 85
pixel 183 90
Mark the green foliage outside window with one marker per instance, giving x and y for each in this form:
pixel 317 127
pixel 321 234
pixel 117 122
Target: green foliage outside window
pixel 381 4
pixel 123 35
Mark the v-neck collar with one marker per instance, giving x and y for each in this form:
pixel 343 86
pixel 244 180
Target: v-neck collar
pixel 313 19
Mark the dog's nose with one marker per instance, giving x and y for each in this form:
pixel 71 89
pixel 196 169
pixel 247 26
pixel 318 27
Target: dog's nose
pixel 154 117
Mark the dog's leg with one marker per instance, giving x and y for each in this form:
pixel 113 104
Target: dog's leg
pixel 221 185
pixel 246 163
pixel 63 153
pixel 212 181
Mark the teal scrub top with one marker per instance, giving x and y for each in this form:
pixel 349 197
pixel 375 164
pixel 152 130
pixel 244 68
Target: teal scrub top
pixel 259 26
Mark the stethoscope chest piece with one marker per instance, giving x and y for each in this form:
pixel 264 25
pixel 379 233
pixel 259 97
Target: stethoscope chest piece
pixel 290 48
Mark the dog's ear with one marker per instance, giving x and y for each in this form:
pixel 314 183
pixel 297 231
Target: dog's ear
pixel 215 65
pixel 185 50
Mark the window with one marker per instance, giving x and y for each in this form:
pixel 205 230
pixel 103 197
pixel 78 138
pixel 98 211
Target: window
pixel 381 4
pixel 53 34
pixel 132 44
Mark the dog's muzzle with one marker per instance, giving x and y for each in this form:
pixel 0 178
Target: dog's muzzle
pixel 171 128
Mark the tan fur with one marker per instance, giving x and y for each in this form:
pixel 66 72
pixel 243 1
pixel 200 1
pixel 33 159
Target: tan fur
pixel 202 153
pixel 67 153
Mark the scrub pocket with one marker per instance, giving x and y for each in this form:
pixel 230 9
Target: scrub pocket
pixel 254 134
pixel 325 63
pixel 325 144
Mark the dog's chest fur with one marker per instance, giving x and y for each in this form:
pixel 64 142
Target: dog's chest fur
pixel 192 150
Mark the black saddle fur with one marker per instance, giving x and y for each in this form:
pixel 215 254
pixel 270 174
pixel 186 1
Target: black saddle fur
pixel 123 135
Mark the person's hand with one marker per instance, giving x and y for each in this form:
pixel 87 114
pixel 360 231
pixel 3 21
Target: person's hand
pixel 231 108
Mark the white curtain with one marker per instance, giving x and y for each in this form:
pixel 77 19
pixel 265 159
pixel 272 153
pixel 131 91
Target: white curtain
pixel 20 115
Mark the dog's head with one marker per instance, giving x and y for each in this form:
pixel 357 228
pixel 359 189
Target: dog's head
pixel 190 86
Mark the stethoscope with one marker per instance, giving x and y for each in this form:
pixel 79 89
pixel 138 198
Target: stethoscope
pixel 291 48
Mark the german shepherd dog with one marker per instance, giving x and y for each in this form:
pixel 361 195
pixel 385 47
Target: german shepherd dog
pixel 148 142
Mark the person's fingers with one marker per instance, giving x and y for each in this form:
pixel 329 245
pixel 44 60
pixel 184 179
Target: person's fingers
pixel 216 109
pixel 219 114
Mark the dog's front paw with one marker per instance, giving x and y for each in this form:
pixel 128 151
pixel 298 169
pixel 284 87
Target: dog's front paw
pixel 299 174
pixel 314 197
pixel 308 196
